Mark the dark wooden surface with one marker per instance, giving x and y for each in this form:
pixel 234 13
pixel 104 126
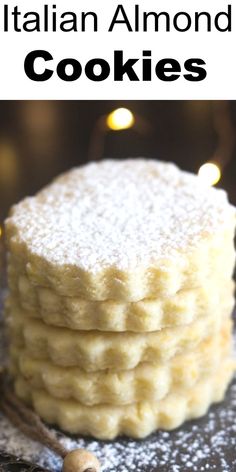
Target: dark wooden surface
pixel 10 463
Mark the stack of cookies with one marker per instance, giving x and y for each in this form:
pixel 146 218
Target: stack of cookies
pixel 120 298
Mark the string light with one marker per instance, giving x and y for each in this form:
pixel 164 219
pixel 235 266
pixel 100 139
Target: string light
pixel 210 173
pixel 120 119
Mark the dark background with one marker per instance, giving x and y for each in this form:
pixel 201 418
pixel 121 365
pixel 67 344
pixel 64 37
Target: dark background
pixel 40 139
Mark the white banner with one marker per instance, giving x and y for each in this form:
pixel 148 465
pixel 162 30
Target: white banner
pixel 91 49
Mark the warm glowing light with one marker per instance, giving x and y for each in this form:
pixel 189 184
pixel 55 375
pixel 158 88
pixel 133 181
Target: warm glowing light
pixel 120 119
pixel 210 173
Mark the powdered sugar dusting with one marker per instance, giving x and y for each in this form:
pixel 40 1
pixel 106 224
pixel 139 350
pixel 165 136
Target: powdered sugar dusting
pixel 205 445
pixel 120 213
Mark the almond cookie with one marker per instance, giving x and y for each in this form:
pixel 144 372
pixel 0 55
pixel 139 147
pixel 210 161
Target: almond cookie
pixel 146 382
pixel 143 316
pixel 136 420
pixel 94 350
pixel 122 230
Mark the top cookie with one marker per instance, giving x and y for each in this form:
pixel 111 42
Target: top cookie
pixel 122 230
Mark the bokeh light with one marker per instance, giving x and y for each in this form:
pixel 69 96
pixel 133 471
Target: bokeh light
pixel 210 173
pixel 120 119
